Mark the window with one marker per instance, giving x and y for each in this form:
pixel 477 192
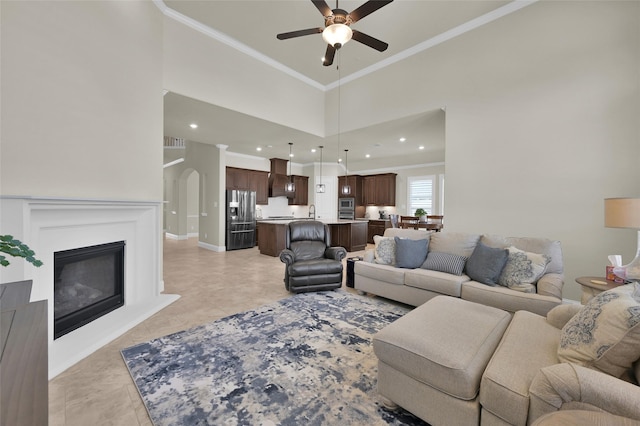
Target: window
pixel 420 193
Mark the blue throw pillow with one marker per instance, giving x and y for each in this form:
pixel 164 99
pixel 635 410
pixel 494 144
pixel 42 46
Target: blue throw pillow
pixel 410 253
pixel 486 263
pixel 445 262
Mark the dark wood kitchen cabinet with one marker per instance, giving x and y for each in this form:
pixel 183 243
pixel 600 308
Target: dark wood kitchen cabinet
pixel 380 190
pixel 249 180
pixel 301 194
pixel 350 235
pixel 377 227
pixel 356 184
pixel 259 182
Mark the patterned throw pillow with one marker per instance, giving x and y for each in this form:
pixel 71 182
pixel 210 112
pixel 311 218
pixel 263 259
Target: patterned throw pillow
pixel 523 267
pixel 385 251
pixel 605 334
pixel 445 262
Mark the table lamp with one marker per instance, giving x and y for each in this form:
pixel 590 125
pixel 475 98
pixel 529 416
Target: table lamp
pixel 624 213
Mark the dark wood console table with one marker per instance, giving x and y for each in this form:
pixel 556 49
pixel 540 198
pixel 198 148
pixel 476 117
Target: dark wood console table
pixel 24 363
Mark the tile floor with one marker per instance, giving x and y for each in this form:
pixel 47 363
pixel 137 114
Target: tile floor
pixel 99 391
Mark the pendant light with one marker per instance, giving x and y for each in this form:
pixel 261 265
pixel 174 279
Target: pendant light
pixel 320 186
pixel 346 188
pixel 290 186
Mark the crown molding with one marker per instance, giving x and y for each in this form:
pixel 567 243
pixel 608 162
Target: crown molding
pixel 439 39
pixel 235 44
pixel 420 47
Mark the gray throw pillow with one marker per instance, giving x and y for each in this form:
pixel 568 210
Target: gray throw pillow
pixel 445 262
pixel 410 253
pixel 486 263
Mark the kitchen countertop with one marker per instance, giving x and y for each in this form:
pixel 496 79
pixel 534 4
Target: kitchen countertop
pixel 327 221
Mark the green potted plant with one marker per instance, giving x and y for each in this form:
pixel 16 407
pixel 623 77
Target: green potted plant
pixel 16 248
pixel 422 214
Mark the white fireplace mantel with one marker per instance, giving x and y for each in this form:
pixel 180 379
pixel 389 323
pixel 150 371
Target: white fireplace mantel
pixel 49 225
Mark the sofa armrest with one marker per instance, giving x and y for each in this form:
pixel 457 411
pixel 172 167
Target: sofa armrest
pixel 287 256
pixel 560 384
pixel 335 253
pixel 551 285
pixel 561 314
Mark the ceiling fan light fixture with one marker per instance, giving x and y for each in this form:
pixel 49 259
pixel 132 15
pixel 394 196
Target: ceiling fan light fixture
pixel 337 35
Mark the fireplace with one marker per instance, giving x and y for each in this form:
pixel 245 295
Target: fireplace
pixel 88 283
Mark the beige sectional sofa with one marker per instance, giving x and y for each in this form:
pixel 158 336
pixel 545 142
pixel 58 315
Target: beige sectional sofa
pixel 492 369
pixel 415 286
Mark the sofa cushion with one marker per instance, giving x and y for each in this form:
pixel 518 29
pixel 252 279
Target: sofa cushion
pixel 507 299
pixel 605 334
pixel 529 344
pixel 454 243
pixel 438 282
pixel 551 248
pixel 522 267
pixel 387 273
pixel 385 250
pixel 410 253
pixel 412 234
pixel 486 263
pixel 445 262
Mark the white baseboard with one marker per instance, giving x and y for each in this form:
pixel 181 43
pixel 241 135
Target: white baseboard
pixel 176 237
pixel 211 247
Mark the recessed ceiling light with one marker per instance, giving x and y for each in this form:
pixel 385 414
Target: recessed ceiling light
pixel 313 150
pixel 259 149
pixel 269 146
pixel 290 155
pixel 367 155
pixel 193 125
pixel 403 139
pixel 421 147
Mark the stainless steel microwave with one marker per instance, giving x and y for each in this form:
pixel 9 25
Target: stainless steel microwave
pixel 346 203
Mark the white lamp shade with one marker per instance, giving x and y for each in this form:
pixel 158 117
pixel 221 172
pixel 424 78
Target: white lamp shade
pixel 622 213
pixel 337 34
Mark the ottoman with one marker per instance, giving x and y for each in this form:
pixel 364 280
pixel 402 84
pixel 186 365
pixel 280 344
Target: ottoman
pixel 431 360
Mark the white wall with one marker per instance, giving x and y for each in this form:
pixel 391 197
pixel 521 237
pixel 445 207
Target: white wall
pixel 542 123
pixel 81 96
pixel 201 68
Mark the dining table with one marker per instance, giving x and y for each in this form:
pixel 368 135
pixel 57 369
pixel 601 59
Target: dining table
pixel 429 226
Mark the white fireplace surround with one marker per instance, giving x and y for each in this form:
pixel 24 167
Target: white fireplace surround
pixel 49 225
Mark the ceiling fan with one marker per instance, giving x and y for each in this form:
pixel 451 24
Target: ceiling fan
pixel 337 30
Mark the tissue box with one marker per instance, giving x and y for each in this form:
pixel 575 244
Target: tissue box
pixel 610 275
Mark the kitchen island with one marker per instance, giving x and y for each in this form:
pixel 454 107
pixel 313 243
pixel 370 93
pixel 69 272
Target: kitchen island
pixel 350 234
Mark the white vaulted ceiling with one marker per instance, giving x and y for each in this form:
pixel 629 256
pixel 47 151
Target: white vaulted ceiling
pixel 251 26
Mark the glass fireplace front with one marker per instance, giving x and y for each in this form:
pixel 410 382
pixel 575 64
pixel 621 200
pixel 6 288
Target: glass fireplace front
pixel 88 283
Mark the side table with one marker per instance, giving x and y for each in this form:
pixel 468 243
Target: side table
pixel 591 289
pixel 350 281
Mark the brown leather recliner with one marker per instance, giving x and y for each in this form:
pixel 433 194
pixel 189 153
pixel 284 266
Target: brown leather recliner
pixel 311 263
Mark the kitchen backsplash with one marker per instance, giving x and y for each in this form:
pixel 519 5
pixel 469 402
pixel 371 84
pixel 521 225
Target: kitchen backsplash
pixel 279 206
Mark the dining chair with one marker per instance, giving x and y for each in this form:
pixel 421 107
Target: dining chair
pixel 436 220
pixel 409 222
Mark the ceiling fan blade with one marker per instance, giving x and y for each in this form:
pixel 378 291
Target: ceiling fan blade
pixel 367 8
pixel 322 6
pixel 328 56
pixel 363 38
pixel 299 33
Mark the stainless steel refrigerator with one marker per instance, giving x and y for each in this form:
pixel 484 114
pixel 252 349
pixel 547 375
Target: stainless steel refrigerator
pixel 241 219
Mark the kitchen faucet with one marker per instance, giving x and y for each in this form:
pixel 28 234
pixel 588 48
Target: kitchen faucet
pixel 312 214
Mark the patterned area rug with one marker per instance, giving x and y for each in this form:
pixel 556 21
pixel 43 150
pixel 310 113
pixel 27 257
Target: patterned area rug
pixel 307 359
